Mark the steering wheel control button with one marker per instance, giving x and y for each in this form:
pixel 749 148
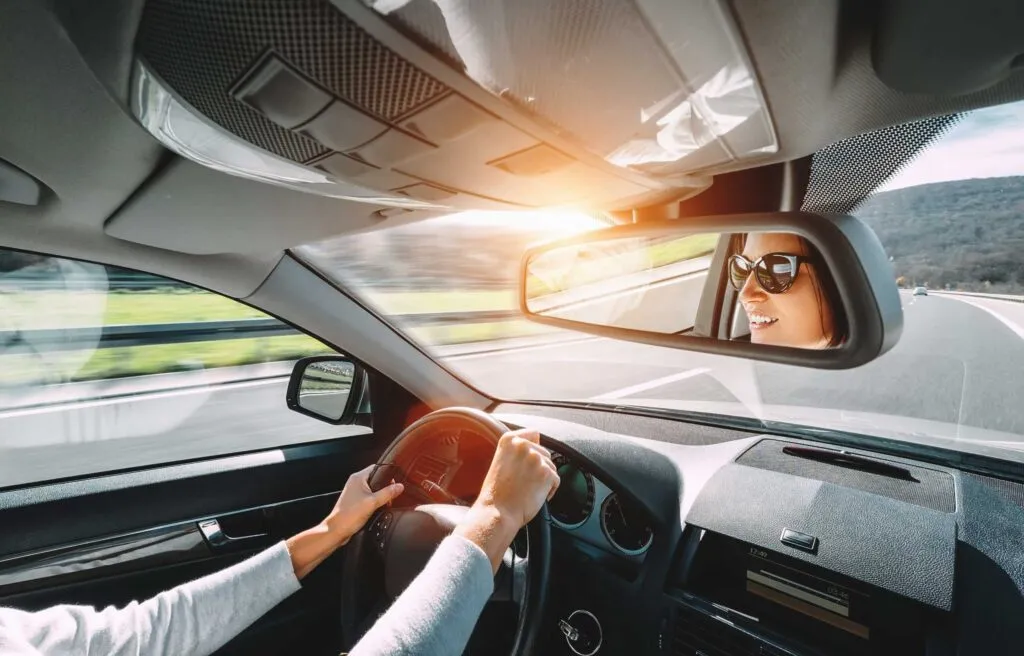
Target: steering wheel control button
pixel 582 632
pixel 281 93
pixel 799 540
pixel 379 529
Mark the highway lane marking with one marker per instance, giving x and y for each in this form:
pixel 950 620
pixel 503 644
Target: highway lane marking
pixel 651 384
pixel 142 396
pixel 517 349
pixel 1006 322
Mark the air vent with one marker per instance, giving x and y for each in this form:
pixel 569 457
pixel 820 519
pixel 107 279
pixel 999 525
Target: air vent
pixel 929 488
pixel 696 633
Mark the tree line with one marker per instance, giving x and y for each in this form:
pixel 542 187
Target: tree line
pixel 964 235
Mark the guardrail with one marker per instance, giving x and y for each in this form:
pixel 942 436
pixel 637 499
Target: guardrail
pixel 70 339
pixel 999 297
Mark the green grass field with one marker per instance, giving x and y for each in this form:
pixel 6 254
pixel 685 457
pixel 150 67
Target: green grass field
pixel 37 310
pixel 64 310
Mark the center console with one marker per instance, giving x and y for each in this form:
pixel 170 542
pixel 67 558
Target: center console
pixel 732 597
pixel 782 557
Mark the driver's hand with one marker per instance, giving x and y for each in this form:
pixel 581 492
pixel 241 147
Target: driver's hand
pixel 357 503
pixel 521 478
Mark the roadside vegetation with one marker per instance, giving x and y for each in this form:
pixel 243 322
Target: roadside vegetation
pixel 965 235
pixel 600 261
pixel 48 309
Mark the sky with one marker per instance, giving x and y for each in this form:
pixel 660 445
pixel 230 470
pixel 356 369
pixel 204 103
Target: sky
pixel 988 143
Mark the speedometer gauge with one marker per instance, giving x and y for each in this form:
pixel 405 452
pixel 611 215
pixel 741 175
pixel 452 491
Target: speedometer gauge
pixel 625 526
pixel 574 500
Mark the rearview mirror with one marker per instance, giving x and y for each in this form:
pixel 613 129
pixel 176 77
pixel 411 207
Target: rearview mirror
pixel 326 387
pixel 787 287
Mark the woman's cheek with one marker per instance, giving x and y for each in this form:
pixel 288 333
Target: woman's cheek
pixel 803 313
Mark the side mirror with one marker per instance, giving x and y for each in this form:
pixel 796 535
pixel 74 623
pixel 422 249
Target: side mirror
pixel 326 387
pixel 788 287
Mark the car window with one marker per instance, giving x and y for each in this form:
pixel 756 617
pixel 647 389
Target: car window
pixel 951 220
pixel 103 369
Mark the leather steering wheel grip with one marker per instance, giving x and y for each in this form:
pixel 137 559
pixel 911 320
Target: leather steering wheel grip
pixel 538 531
pixel 424 427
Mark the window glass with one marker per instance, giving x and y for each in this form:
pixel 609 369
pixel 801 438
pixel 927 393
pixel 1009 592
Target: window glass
pixel 950 220
pixel 103 368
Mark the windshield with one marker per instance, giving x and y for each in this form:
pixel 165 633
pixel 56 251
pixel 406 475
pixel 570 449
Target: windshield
pixel 951 221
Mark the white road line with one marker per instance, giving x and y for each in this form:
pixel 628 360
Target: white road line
pixel 651 384
pixel 1006 322
pixel 140 397
pixel 516 349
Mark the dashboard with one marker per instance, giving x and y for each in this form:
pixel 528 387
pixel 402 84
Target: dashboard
pixel 587 508
pixel 696 540
pixel 448 468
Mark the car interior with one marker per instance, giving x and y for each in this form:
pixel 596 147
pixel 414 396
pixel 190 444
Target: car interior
pixel 207 141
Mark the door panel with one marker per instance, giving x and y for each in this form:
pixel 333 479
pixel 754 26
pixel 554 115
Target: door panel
pixel 138 551
pixel 112 539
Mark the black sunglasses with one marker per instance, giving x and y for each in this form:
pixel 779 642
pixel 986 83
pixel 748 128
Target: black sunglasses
pixel 774 272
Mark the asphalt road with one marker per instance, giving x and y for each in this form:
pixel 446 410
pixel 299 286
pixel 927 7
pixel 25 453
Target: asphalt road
pixel 90 437
pixel 960 362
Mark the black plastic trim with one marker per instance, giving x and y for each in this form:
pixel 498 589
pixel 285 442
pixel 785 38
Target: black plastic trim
pixel 962 460
pixel 139 551
pixel 126 502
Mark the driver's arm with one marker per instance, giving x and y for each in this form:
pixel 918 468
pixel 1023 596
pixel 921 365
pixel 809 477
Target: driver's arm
pixel 436 614
pixel 201 616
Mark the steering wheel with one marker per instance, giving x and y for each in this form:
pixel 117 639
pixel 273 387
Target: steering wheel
pixel 397 542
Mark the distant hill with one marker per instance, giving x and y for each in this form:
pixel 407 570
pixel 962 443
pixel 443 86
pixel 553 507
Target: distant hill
pixel 967 234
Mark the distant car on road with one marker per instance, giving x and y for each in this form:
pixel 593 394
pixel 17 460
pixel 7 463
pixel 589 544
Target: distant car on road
pixel 920 291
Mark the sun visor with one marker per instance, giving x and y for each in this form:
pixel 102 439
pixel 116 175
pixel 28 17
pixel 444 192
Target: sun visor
pixel 659 86
pixel 461 104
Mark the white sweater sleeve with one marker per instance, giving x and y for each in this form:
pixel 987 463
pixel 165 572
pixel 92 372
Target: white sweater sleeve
pixel 436 614
pixel 194 618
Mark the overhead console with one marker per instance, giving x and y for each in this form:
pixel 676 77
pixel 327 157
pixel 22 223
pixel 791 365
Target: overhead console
pixel 422 104
pixel 777 558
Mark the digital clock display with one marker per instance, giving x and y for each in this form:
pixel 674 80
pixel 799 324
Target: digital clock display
pixel 805 593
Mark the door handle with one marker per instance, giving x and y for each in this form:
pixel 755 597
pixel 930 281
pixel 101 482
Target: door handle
pixel 220 541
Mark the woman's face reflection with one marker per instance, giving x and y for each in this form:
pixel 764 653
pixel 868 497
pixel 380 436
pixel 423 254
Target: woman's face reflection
pixel 799 317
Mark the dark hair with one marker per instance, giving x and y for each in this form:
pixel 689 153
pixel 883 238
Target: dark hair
pixel 826 286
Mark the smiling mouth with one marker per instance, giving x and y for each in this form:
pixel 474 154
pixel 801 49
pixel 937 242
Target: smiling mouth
pixel 761 321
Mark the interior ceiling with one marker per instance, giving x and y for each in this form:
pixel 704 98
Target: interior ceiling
pixel 64 68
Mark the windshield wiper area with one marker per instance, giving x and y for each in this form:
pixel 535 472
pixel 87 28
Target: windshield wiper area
pixel 850 460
